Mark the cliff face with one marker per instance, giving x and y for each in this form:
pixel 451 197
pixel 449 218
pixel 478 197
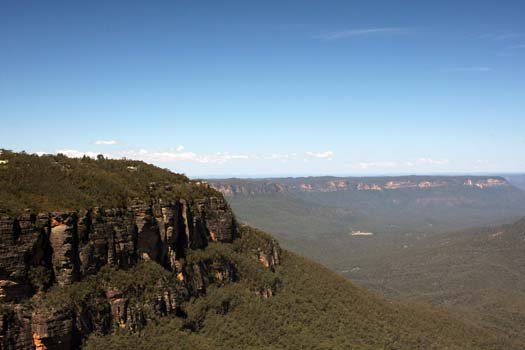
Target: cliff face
pixel 232 187
pixel 44 255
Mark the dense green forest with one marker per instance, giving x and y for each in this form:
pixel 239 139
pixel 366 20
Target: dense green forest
pixel 56 182
pixel 313 309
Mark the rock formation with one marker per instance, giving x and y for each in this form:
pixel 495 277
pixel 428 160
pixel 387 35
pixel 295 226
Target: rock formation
pixel 232 187
pixel 63 249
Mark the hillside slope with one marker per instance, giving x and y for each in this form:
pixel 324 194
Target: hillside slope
pixel 517 180
pixel 117 254
pixel 478 273
pixel 313 309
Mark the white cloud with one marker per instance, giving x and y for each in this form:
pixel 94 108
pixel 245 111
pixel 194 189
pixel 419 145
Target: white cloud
pixel 368 165
pixel 176 155
pixel 170 156
pixel 389 164
pixel 278 156
pixel 323 155
pixel 72 153
pixel 430 161
pixel 357 32
pixel 105 142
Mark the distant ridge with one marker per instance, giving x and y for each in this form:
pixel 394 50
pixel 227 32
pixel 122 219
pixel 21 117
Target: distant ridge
pixel 234 186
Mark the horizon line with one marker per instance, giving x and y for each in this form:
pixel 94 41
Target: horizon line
pixel 283 176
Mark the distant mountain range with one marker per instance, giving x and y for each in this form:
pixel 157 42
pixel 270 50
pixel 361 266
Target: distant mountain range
pixel 424 204
pixel 232 187
pixel 517 180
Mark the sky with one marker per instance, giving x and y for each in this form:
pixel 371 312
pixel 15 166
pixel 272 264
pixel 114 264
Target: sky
pixel 268 88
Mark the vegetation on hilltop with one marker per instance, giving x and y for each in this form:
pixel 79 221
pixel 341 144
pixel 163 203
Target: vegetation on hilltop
pixel 57 182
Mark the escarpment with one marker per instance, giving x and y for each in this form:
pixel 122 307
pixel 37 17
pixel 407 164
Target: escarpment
pixel 244 187
pixel 66 275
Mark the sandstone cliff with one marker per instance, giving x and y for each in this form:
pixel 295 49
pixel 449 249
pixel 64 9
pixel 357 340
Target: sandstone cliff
pixel 232 187
pixel 45 258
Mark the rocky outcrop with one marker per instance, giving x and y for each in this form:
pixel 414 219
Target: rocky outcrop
pixel 52 330
pixel 199 275
pixel 63 239
pixel 38 251
pixel 269 254
pixel 15 328
pixel 106 237
pixel 74 245
pixel 219 218
pixel 486 183
pixel 24 246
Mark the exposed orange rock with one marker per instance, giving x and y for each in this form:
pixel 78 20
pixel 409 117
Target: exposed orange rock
pixel 481 184
pixel 55 222
pixel 180 276
pixel 368 187
pixel 306 187
pixel 431 184
pixel 263 259
pixel 39 345
pixel 395 185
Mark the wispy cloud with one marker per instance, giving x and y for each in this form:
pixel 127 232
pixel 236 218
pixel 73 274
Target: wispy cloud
pixel 105 142
pixel 73 153
pixel 519 46
pixel 478 69
pixel 501 36
pixel 369 165
pixel 358 32
pixel 430 161
pixel 282 157
pixel 176 156
pixel 322 155
pixel 507 54
pixel 389 164
pixel 158 156
pixel 179 154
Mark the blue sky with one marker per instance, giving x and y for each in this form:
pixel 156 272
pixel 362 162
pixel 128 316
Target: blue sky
pixel 268 87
